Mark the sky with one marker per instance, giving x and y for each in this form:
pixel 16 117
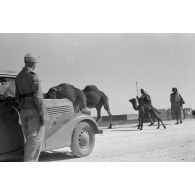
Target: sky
pixel 113 62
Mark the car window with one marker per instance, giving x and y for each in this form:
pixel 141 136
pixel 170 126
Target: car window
pixel 7 87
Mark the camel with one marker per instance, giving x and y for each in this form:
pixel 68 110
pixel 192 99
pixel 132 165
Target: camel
pixel 90 97
pixel 96 99
pixel 135 107
pixel 145 109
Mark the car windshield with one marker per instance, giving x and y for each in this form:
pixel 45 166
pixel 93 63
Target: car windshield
pixel 7 87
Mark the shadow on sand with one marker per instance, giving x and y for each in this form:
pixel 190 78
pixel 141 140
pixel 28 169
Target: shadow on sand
pixel 48 156
pixel 55 156
pixel 134 128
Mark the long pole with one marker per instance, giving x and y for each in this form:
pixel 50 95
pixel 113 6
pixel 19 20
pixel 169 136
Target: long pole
pixel 137 87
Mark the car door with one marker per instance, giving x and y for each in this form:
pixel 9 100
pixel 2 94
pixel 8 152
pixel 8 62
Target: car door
pixel 11 135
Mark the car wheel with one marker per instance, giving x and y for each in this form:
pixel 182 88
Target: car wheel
pixel 83 140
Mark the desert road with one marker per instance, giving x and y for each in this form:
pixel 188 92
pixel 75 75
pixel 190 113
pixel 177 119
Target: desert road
pixel 124 143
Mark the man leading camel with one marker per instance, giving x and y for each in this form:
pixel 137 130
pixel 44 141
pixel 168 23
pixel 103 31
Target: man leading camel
pixel 145 99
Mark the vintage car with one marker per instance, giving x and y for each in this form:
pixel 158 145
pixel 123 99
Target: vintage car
pixel 64 127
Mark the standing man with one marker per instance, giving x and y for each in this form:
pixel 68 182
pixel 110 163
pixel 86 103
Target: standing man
pixel 32 111
pixel 176 105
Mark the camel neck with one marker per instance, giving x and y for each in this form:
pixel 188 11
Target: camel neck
pixel 135 106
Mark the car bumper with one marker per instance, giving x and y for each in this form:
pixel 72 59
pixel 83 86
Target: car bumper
pixel 100 131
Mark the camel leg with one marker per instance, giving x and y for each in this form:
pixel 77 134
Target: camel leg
pixel 139 125
pixel 152 122
pixel 110 116
pixel 142 116
pixel 157 116
pixel 106 107
pixel 139 121
pixel 159 120
pixel 163 124
pixel 98 113
pixel 158 124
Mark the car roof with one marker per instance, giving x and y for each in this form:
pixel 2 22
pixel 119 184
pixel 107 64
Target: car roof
pixel 8 73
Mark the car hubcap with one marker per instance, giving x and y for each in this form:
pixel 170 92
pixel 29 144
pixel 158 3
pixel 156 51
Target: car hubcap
pixel 83 139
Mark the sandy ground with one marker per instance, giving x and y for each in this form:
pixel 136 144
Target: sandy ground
pixel 126 143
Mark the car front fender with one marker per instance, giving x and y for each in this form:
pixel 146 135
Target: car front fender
pixel 59 132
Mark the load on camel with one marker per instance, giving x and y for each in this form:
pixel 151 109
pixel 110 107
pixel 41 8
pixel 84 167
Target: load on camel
pixel 90 97
pixel 144 110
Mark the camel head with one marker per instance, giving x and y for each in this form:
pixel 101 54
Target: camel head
pixel 51 94
pixel 134 103
pixel 133 100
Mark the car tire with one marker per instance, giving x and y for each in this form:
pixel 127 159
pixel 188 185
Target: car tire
pixel 83 139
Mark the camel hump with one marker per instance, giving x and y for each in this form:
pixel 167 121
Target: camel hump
pixel 65 86
pixel 90 88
